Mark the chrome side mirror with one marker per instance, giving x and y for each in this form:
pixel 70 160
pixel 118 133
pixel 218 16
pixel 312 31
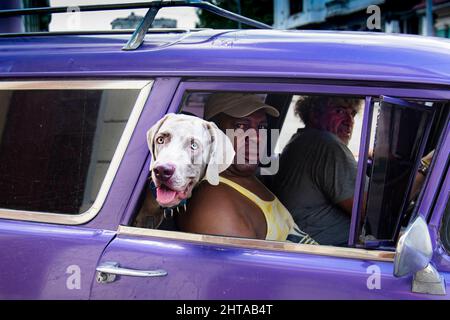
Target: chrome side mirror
pixel 413 256
pixel 414 249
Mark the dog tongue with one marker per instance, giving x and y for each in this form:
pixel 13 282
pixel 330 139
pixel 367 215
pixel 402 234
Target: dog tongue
pixel 165 195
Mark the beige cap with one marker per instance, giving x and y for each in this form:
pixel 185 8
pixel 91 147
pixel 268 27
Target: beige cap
pixel 237 105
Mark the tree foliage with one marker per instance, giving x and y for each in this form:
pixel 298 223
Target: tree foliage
pixel 261 10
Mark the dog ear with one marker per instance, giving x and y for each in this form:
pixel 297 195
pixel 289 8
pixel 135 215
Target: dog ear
pixel 221 154
pixel 151 135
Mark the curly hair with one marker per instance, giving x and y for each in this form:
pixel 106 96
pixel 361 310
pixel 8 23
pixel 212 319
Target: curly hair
pixel 308 105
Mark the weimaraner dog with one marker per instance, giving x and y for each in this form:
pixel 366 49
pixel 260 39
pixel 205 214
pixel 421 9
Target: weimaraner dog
pixel 185 150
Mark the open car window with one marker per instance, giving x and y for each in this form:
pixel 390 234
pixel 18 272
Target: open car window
pixel 400 132
pixel 399 135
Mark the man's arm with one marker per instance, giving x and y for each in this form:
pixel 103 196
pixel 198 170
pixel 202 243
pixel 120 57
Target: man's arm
pixel 347 206
pixel 419 179
pixel 337 175
pixel 211 211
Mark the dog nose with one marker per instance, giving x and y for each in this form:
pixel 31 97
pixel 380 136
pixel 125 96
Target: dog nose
pixel 164 172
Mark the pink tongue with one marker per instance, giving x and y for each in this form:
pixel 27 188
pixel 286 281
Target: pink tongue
pixel 165 195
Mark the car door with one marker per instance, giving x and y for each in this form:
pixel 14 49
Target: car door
pixel 156 264
pixel 61 146
pixel 439 226
pixel 210 267
pixel 435 206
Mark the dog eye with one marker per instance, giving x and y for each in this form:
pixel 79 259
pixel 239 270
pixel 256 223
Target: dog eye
pixel 160 140
pixel 194 145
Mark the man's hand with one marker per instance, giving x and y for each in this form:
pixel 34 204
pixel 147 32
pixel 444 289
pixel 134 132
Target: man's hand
pixel 420 176
pixel 427 159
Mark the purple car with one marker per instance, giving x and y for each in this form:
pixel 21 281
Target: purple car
pixel 74 112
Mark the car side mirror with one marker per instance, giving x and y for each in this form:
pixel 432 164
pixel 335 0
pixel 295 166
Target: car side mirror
pixel 414 249
pixel 413 256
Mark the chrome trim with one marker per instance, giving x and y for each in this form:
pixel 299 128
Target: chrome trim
pixel 138 35
pixel 429 281
pixel 414 249
pixel 74 84
pixel 115 269
pixel 340 252
pixel 99 32
pixel 75 219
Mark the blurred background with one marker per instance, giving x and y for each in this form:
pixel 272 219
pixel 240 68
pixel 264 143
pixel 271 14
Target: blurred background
pixel 421 17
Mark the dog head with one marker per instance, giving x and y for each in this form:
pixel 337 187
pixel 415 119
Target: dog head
pixel 185 150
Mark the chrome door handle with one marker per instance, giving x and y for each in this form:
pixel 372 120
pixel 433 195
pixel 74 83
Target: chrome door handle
pixel 107 272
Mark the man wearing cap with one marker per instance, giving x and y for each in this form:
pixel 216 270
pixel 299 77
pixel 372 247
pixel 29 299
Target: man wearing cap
pixel 240 206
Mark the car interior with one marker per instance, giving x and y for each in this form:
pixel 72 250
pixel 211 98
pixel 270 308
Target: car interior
pixel 400 136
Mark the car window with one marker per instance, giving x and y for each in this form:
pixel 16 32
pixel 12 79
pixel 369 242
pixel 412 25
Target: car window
pixel 149 214
pixel 395 142
pixel 56 146
pixel 292 123
pixel 400 133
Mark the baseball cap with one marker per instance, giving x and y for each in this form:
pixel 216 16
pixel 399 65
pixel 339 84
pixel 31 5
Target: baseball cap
pixel 237 105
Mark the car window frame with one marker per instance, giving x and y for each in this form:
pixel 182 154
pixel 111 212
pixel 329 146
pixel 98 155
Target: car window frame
pixel 368 125
pixel 436 211
pixel 435 178
pixel 144 87
pixel 272 86
pixel 444 229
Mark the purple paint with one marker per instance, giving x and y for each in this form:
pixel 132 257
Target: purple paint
pixel 253 53
pixel 221 272
pixel 433 182
pixel 11 24
pixel 36 256
pixel 362 167
pixel 441 256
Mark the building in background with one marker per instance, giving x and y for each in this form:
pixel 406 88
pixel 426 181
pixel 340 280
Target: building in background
pixel 164 23
pixel 132 21
pixel 396 16
pixel 441 15
pixel 29 23
pixel 12 24
pixel 36 23
pixel 40 23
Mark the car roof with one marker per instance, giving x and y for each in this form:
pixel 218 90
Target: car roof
pixel 240 53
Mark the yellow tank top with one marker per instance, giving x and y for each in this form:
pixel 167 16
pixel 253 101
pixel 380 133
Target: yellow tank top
pixel 280 224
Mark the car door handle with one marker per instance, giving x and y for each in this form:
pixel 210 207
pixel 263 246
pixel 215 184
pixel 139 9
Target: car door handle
pixel 107 272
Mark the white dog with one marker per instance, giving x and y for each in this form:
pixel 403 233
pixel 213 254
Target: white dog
pixel 185 150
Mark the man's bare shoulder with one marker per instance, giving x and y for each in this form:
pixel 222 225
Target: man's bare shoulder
pixel 214 210
pixel 209 197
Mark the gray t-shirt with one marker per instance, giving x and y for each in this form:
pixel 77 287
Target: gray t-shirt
pixel 316 172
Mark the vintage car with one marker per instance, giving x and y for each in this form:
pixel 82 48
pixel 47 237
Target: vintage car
pixel 74 111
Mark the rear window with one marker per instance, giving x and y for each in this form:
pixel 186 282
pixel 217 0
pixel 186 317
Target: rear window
pixel 56 146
